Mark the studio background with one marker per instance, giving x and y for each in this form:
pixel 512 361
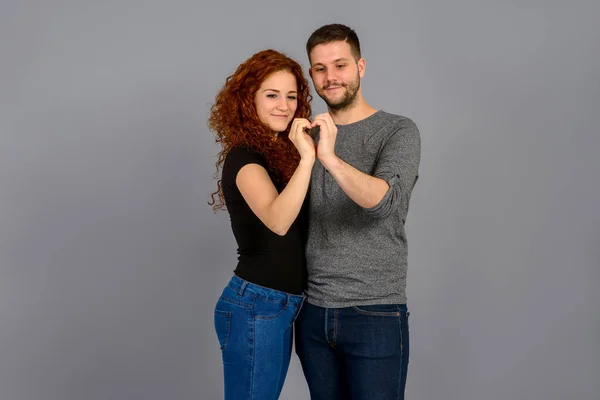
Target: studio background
pixel 111 260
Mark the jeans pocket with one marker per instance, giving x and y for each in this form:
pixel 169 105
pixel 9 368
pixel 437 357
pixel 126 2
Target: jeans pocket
pixel 223 327
pixel 269 309
pixel 381 310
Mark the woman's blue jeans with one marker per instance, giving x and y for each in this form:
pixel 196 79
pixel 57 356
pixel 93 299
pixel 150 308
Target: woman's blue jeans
pixel 254 329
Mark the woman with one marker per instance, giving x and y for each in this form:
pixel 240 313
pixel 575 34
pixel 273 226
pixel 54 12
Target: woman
pixel 260 119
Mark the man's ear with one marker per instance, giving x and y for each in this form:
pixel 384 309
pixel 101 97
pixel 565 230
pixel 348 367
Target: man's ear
pixel 362 65
pixel 310 72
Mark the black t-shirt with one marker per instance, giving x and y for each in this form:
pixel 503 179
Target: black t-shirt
pixel 264 258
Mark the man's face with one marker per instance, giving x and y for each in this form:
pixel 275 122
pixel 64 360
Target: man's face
pixel 336 74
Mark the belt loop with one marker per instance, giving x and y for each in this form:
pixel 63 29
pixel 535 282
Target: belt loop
pixel 242 288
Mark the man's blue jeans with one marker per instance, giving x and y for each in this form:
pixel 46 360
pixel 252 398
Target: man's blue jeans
pixel 254 329
pixel 356 353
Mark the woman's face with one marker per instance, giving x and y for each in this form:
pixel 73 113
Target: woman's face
pixel 276 100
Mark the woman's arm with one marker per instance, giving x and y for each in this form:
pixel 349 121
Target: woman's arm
pixel 278 211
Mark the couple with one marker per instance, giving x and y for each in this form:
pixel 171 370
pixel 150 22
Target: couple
pixel 317 218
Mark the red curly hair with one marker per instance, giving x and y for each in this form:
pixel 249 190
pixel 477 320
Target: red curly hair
pixel 234 120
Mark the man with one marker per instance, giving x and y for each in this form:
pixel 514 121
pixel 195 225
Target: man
pixel 352 333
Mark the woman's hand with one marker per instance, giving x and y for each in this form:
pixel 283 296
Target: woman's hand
pixel 302 140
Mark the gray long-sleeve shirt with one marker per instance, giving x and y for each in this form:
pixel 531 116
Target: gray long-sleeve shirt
pixel 356 255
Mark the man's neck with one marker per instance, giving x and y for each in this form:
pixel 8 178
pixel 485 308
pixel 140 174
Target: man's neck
pixel 359 111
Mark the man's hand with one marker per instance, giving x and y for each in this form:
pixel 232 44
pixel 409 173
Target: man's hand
pixel 328 134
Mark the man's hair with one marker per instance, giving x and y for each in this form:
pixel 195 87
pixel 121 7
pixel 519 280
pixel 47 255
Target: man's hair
pixel 334 33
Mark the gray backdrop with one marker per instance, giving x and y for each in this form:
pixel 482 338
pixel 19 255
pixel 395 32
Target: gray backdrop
pixel 111 260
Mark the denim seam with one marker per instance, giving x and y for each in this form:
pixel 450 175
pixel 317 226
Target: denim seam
pixel 335 324
pixel 250 293
pixel 401 338
pixel 377 313
pixel 226 314
pixel 401 357
pixel 263 288
pixel 271 317
pixel 237 302
pixel 326 327
pixel 253 346
pixel 329 342
pixel 269 300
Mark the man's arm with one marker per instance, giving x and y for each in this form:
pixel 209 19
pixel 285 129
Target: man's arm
pixel 365 190
pixel 395 174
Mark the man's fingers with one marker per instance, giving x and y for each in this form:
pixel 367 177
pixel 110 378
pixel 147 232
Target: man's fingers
pixel 325 119
pixel 317 121
pixel 330 124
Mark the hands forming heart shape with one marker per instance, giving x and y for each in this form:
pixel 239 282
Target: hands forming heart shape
pixel 312 132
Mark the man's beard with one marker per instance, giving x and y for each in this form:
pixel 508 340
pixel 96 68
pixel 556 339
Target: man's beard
pixel 347 100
